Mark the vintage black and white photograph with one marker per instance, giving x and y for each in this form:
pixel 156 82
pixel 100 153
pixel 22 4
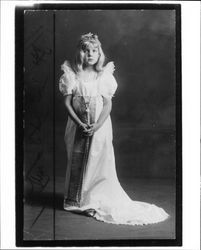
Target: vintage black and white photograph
pixel 101 117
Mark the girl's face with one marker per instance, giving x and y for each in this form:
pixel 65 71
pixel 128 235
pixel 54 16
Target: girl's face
pixel 91 54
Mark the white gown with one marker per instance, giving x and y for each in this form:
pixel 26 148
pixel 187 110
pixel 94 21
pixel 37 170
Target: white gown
pixel 101 189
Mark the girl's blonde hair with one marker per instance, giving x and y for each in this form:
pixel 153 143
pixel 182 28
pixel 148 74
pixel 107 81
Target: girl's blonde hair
pixel 84 42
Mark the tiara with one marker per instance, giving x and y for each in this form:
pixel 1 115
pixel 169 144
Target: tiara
pixel 88 38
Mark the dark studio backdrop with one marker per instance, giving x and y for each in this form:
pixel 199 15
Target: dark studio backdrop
pixel 142 45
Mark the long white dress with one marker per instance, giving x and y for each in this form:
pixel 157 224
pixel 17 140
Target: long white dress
pixel 100 189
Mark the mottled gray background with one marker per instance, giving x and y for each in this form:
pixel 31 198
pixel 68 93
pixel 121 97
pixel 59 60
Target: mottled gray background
pixel 142 45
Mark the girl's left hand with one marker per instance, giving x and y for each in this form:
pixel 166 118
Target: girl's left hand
pixel 92 129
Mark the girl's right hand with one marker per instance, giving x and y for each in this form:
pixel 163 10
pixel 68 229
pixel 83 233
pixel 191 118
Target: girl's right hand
pixel 83 127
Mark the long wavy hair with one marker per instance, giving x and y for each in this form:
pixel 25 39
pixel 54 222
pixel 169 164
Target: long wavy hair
pixel 85 41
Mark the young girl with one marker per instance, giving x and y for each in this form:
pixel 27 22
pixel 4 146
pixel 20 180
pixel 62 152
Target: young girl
pixel 92 186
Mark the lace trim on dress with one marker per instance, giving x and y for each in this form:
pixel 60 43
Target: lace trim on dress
pixel 68 80
pixel 109 68
pixel 108 84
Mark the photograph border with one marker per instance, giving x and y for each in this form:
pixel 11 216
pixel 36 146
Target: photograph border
pixel 19 127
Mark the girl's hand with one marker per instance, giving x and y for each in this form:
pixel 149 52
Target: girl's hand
pixel 84 127
pixel 92 128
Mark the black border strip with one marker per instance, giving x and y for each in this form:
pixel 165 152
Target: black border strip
pixel 53 93
pixel 19 153
pixel 105 6
pixel 178 128
pixel 101 243
pixel 19 131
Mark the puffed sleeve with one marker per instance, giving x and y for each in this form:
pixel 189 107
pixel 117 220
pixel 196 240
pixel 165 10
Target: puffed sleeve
pixel 67 81
pixel 108 84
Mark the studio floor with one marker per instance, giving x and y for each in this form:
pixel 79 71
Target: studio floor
pixel 39 223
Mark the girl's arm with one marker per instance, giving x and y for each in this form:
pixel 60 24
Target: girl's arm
pixel 68 100
pixel 107 107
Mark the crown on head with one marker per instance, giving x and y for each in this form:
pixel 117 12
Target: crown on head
pixel 89 38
